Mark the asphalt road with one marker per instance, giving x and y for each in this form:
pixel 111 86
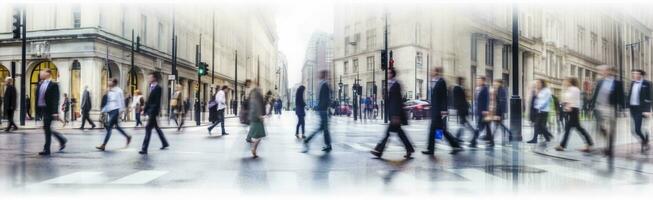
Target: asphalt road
pixel 197 161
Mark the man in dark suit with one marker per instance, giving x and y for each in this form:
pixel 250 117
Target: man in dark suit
pixel 640 104
pixel 608 98
pixel 324 97
pixel 481 109
pixel 10 103
pixel 439 112
pixel 152 109
pixel 86 108
pixel 462 107
pixel 47 101
pixel 397 117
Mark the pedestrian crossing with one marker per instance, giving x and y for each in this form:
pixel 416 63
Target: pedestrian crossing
pixel 471 179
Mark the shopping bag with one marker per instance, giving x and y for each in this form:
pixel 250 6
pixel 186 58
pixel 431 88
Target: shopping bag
pixel 438 134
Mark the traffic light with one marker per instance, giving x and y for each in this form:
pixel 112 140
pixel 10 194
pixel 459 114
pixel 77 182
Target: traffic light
pixel 16 26
pixel 138 43
pixel 384 59
pixel 392 61
pixel 202 69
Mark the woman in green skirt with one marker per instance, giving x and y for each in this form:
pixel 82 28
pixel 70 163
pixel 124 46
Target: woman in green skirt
pixel 256 112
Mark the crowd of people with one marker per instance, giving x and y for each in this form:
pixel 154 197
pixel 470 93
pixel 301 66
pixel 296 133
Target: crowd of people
pixel 489 109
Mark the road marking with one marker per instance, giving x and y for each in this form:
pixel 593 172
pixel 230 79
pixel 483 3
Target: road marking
pixel 141 177
pixel 83 177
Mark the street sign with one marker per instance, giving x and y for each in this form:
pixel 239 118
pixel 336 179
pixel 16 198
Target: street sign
pixel 171 77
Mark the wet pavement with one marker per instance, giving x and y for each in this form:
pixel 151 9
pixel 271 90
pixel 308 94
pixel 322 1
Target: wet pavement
pixel 197 161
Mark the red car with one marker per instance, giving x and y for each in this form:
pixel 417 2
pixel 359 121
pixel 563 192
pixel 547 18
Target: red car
pixel 418 109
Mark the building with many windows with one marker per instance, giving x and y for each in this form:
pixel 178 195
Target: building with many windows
pixel 471 40
pixel 87 44
pixel 318 57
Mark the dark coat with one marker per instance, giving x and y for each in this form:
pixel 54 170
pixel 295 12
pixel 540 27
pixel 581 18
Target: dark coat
pixel 616 95
pixel 9 99
pixel 460 101
pixel 300 104
pixel 396 103
pixel 482 101
pixel 501 102
pixel 153 104
pixel 439 98
pixel 51 98
pixel 86 101
pixel 324 98
pixel 644 95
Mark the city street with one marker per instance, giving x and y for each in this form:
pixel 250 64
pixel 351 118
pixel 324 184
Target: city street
pixel 198 161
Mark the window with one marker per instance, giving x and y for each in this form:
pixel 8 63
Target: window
pixel 595 45
pixel 101 23
pixel 355 68
pixel 77 21
pixel 143 34
pixel 580 37
pixel 489 52
pixel 473 47
pixel 123 28
pixel 371 39
pixel 506 57
pixel 357 39
pixel 345 67
pixel 347 45
pixel 418 59
pixel 159 40
pixel 370 63
pixel 418 93
pixel 604 50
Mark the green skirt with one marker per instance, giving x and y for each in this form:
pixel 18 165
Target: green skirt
pixel 256 130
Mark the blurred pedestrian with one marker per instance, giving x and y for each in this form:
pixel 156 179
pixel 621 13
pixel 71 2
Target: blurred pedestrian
pixel 607 100
pixel 137 106
pixel 439 112
pixel 324 97
pixel 571 101
pixel 482 104
pixel 176 105
pixel 397 117
pixel 462 107
pixel 86 108
pixel 65 108
pixel 244 119
pixel 498 109
pixel 152 109
pixel 114 106
pixel 221 101
pixel 9 104
pixel 47 101
pixel 640 104
pixel 300 111
pixel 256 112
pixel 542 107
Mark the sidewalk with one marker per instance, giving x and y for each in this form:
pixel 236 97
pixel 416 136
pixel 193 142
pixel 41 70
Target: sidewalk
pixel 164 123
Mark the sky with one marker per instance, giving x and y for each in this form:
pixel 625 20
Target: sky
pixel 295 23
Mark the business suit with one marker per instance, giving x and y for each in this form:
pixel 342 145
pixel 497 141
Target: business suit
pixel 640 102
pixel 324 97
pixel 482 105
pixel 86 108
pixel 10 106
pixel 395 110
pixel 605 105
pixel 462 110
pixel 47 101
pixel 439 104
pixel 152 109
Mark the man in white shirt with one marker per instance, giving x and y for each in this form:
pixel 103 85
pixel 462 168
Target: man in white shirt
pixel 221 100
pixel 640 104
pixel 115 104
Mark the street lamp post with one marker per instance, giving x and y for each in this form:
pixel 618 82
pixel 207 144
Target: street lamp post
pixel 515 100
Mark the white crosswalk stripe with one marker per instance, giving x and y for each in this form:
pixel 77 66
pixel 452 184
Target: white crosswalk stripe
pixel 141 177
pixel 83 177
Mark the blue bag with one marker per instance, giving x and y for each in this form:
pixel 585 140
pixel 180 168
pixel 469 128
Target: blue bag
pixel 438 134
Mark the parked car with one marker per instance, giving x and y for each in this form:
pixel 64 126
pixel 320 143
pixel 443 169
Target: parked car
pixel 418 109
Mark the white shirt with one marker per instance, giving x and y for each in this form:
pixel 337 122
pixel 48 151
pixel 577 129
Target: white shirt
pixel 44 86
pixel 115 100
pixel 542 100
pixel 136 101
pixel 571 97
pixel 220 99
pixel 634 93
pixel 605 90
